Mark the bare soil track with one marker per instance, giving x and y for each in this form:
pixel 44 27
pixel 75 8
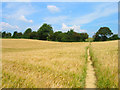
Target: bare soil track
pixel 90 77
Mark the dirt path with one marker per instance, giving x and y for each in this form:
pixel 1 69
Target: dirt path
pixel 90 77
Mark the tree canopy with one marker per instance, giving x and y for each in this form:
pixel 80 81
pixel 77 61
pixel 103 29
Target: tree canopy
pixel 69 36
pixel 27 33
pixel 6 35
pixel 17 35
pixel 45 32
pixel 102 34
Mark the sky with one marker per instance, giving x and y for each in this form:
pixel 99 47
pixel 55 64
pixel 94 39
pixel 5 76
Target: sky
pixel 62 16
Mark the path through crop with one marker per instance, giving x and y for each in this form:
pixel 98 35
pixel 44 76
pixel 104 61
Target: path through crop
pixel 90 77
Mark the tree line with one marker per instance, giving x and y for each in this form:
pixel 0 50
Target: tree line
pixel 45 32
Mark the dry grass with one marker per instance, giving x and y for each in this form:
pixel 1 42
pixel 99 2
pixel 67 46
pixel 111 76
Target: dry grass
pixel 105 58
pixel 40 64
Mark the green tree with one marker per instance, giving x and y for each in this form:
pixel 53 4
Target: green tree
pixel 114 37
pixel 73 36
pixel 15 34
pixel 60 36
pixel 0 34
pixel 54 36
pixel 3 34
pixel 27 33
pixel 102 34
pixel 45 31
pixel 19 35
pixel 70 37
pixel 96 37
pixel 64 37
pixel 34 35
pixel 83 36
pixel 8 35
pixel 76 37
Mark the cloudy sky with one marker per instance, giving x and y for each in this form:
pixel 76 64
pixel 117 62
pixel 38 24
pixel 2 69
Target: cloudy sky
pixel 80 16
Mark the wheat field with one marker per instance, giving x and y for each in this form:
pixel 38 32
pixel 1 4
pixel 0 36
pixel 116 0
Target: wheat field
pixel 43 64
pixel 105 60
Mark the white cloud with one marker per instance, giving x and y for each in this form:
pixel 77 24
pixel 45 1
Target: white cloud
pixel 100 11
pixel 18 12
pixel 103 10
pixel 76 28
pixel 55 20
pixel 53 8
pixel 7 26
pixel 23 18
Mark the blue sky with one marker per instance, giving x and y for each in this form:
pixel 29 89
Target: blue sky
pixel 63 16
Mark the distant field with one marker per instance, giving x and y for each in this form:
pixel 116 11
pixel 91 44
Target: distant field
pixel 43 64
pixel 105 59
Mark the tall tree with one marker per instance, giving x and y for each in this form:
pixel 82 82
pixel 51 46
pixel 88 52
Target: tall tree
pixel 102 34
pixel 27 33
pixel 15 34
pixel 34 35
pixel 19 35
pixel 3 34
pixel 96 37
pixel 83 36
pixel 8 35
pixel 0 34
pixel 45 31
pixel 54 36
